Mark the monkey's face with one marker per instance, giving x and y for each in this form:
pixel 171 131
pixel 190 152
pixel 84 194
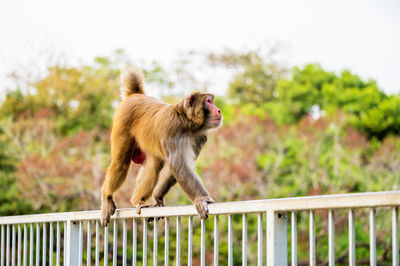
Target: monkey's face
pixel 213 116
pixel 201 111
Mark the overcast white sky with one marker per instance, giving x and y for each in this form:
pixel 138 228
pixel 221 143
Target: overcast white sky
pixel 363 36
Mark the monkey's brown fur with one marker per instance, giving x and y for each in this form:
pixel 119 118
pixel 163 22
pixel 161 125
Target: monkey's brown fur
pixel 170 136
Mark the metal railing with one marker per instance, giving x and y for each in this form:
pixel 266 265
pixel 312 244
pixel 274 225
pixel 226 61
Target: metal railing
pixel 58 238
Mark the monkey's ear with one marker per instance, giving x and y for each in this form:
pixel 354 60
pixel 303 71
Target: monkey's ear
pixel 190 100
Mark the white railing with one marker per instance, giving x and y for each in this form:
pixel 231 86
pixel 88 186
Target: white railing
pixel 31 240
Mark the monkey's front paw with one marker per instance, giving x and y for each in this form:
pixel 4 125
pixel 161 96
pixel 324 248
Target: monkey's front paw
pixel 107 209
pixel 201 206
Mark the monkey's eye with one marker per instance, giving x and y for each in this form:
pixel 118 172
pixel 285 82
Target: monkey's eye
pixel 209 100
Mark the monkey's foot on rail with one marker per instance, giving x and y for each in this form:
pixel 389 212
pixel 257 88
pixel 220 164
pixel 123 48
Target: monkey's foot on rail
pixel 107 209
pixel 148 205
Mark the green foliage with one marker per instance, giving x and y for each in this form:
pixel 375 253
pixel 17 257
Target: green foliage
pixel 383 119
pixel 81 99
pixel 288 100
pixel 15 103
pixel 313 86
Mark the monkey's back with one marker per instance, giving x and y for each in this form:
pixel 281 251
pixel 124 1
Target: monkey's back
pixel 148 120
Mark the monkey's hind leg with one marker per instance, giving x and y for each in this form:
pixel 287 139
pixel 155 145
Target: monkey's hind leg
pixel 116 173
pixel 165 182
pixel 146 181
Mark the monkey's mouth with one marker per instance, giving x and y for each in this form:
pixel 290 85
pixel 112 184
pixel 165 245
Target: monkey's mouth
pixel 217 122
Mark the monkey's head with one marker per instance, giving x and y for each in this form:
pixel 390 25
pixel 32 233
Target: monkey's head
pixel 201 111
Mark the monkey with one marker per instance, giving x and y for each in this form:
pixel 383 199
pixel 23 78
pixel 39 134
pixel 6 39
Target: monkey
pixel 165 139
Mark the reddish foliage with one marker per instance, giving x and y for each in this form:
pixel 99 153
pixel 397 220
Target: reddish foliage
pixel 387 157
pixel 42 113
pixel 308 127
pixel 353 139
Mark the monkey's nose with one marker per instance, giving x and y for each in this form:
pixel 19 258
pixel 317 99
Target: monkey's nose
pixel 219 115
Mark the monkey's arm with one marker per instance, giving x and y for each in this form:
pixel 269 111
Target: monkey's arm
pixel 182 168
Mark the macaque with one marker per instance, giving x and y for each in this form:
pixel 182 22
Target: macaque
pixel 165 139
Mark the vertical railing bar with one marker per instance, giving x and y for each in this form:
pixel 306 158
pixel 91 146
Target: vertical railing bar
pixel 230 235
pixel 203 243
pixel 216 240
pixel 395 236
pixel 124 242
pixel 13 245
pixel 89 244
pixel 276 238
pixel 294 238
pixel 166 242
pixel 97 248
pixel 115 242
pixel 145 242
pixel 19 242
pixel 58 245
pixel 352 243
pixel 74 238
pixel 44 244
pixel 260 239
pixel 25 261
pixel 105 245
pixel 244 239
pixel 8 246
pixel 372 237
pixel 155 241
pixel 134 244
pixel 80 243
pixel 331 238
pixel 37 244
pixel 65 244
pixel 31 236
pixel 51 244
pixel 312 239
pixel 178 241
pixel 190 240
pixel 2 246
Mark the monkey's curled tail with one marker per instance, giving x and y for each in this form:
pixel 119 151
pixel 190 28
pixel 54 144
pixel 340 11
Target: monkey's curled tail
pixel 131 81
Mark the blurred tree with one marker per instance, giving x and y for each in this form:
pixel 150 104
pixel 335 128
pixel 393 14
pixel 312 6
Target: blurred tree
pixel 382 119
pixel 311 88
pixel 81 98
pixel 15 103
pixel 255 78
pixel 10 201
pixel 260 85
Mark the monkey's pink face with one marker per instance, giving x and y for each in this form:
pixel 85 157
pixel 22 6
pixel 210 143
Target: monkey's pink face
pixel 214 117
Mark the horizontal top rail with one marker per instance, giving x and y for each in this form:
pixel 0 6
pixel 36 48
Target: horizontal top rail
pixel 338 201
